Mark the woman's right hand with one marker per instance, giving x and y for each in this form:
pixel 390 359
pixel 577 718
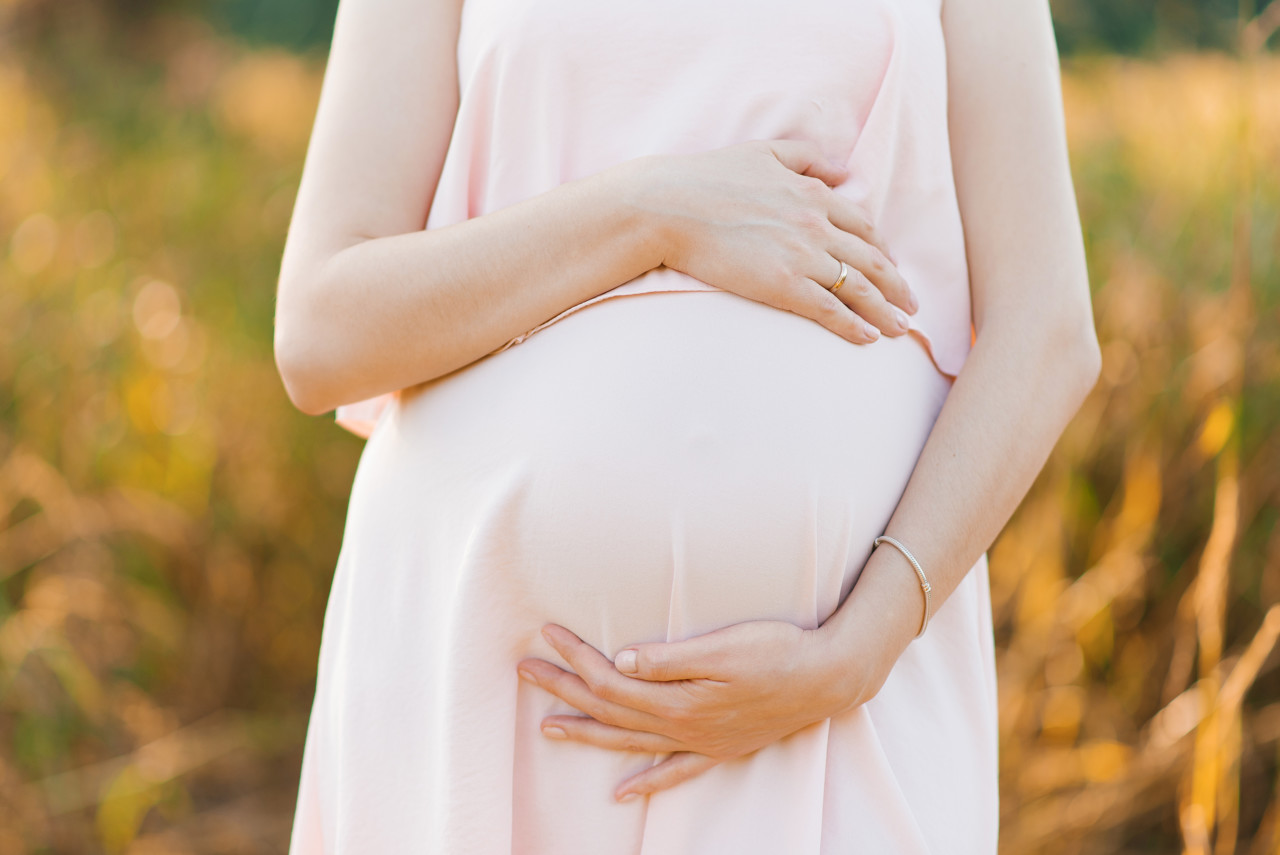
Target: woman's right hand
pixel 761 219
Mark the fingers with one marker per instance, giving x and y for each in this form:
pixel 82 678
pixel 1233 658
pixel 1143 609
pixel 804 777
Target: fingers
pixel 875 287
pixel 844 213
pixel 674 770
pixel 873 266
pixel 858 242
pixel 575 692
pixel 807 158
pixel 697 658
pixel 848 216
pixel 813 300
pixel 598 684
pixel 863 295
pixel 596 733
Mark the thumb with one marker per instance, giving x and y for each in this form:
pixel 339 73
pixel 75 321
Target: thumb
pixel 807 158
pixel 676 660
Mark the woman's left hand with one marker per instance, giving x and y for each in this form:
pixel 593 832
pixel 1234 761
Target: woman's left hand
pixel 705 700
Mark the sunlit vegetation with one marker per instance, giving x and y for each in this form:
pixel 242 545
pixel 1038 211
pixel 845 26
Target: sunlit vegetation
pixel 169 524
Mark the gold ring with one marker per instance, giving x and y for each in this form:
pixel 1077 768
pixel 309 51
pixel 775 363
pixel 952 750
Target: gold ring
pixel 844 271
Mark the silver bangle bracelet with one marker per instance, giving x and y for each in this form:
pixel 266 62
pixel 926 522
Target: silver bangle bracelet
pixel 924 583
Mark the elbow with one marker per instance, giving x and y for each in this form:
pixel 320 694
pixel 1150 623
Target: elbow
pixel 1058 342
pixel 297 375
pixel 1076 349
pixel 299 369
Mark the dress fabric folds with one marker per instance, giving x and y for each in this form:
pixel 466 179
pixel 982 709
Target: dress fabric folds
pixel 660 461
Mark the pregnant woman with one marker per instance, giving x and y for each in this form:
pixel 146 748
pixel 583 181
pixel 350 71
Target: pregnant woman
pixel 657 316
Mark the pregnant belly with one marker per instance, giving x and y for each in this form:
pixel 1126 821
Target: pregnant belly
pixel 648 468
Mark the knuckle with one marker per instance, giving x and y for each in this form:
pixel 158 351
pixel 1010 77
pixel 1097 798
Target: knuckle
pixel 604 690
pixel 852 221
pixel 850 327
pixel 830 310
pixel 831 318
pixel 599 710
pixel 816 188
pixel 633 743
pixel 879 261
pixel 812 222
pixel 808 189
pixel 861 285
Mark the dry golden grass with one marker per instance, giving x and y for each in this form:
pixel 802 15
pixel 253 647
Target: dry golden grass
pixel 168 523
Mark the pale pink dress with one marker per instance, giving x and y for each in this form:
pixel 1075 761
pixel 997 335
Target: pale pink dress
pixel 655 468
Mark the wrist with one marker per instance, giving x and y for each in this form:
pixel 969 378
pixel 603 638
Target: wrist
pixel 845 668
pixel 646 194
pixel 872 628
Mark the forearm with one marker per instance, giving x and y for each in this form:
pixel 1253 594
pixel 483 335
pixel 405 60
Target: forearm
pixel 391 312
pixel 1036 355
pixel 1022 383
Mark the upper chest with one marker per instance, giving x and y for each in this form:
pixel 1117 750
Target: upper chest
pixel 819 45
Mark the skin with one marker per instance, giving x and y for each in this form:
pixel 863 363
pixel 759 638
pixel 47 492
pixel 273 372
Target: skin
pixel 1036 357
pixel 370 302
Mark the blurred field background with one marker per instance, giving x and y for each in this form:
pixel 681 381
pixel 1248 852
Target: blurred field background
pixel 169 524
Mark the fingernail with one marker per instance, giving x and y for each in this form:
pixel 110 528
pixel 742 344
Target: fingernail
pixel 871 331
pixel 626 662
pixel 546 633
pixel 913 300
pixel 902 318
pixel 527 676
pixel 628 797
pixel 554 732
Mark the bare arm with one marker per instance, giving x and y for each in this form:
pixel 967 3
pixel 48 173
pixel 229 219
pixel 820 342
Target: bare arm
pixel 1036 356
pixel 370 302
pixel 732 691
